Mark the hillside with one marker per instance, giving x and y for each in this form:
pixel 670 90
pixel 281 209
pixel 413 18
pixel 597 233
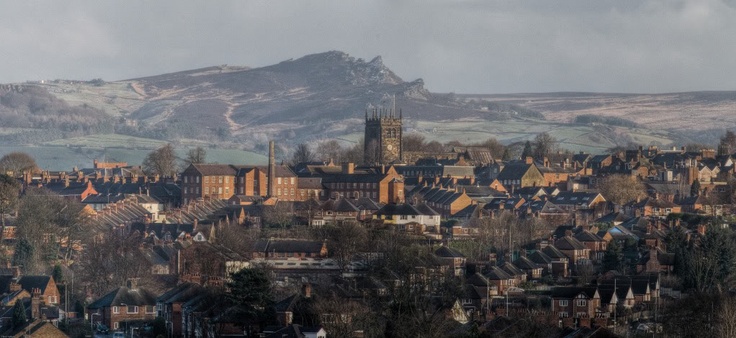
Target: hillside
pixel 324 96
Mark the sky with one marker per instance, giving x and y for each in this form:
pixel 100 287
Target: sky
pixel 461 46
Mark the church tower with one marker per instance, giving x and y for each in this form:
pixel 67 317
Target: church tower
pixel 382 137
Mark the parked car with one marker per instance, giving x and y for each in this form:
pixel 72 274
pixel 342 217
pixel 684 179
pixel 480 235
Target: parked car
pixel 102 329
pixel 118 334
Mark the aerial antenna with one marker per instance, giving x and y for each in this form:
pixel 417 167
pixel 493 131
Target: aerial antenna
pixel 393 109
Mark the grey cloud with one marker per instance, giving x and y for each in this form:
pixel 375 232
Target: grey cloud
pixel 462 46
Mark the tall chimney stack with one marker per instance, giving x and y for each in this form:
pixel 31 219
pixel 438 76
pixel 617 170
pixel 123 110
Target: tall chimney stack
pixel 271 168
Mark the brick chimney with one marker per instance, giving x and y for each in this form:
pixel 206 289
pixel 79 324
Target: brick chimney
pixel 529 160
pixel 36 303
pixel 131 283
pixel 307 290
pixel 271 168
pixel 348 168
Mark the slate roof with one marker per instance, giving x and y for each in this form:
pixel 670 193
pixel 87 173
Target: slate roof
pixel 514 171
pixel 403 209
pixel 447 252
pixel 553 252
pixel 497 273
pixel 570 292
pixel 124 295
pixel 339 205
pixel 569 243
pixel 287 245
pixel 587 236
pixel 540 257
pixel 525 263
pixel 512 270
pixel 29 283
pixel 180 294
pixel 477 279
pixel 577 198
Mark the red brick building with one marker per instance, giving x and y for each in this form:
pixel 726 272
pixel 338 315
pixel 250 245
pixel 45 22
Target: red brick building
pixel 122 307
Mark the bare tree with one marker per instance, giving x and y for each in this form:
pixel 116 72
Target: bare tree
pixel 329 150
pixel 353 154
pixel 17 163
pixel 497 149
pixel 9 194
pixel 621 189
pixel 727 143
pixel 302 154
pixel 434 147
pixel 413 142
pixel 726 316
pixel 544 144
pixel 344 240
pixel 161 161
pixel 196 155
pixel 110 260
pixel 281 214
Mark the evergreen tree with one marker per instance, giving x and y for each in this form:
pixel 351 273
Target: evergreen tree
pixel 250 292
pixel 613 258
pixel 19 314
pixel 695 188
pixel 57 274
pixel 527 152
pixel 506 155
pixel 23 255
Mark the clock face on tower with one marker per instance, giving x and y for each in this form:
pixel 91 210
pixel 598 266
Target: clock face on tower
pixel 390 147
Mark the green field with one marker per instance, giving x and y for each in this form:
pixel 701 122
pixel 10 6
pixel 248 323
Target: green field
pixel 66 158
pixel 107 141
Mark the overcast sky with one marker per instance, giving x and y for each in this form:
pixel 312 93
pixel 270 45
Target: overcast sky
pixel 462 46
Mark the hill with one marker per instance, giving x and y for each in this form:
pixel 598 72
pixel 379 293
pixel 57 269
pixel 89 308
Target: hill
pixel 324 96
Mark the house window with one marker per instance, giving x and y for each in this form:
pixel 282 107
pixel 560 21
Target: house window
pixel 52 300
pixel 227 179
pixel 278 180
pixel 206 190
pixel 132 309
pixel 115 310
pixel 185 179
pixel 219 179
pixel 219 190
pixel 149 309
pixel 582 302
pixel 404 217
pixel 562 314
pixel 291 180
pixel 115 325
pixel 206 179
pixel 197 179
pixel 563 302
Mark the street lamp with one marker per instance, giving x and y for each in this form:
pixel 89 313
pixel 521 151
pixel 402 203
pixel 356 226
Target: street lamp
pixel 92 321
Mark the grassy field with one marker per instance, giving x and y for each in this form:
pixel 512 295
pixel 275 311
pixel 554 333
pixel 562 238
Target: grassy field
pixel 66 158
pixel 108 141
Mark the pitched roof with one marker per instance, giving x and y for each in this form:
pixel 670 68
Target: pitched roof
pixel 569 292
pixel 569 243
pixel 497 273
pixel 287 245
pixel 29 283
pixel 124 295
pixel 447 252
